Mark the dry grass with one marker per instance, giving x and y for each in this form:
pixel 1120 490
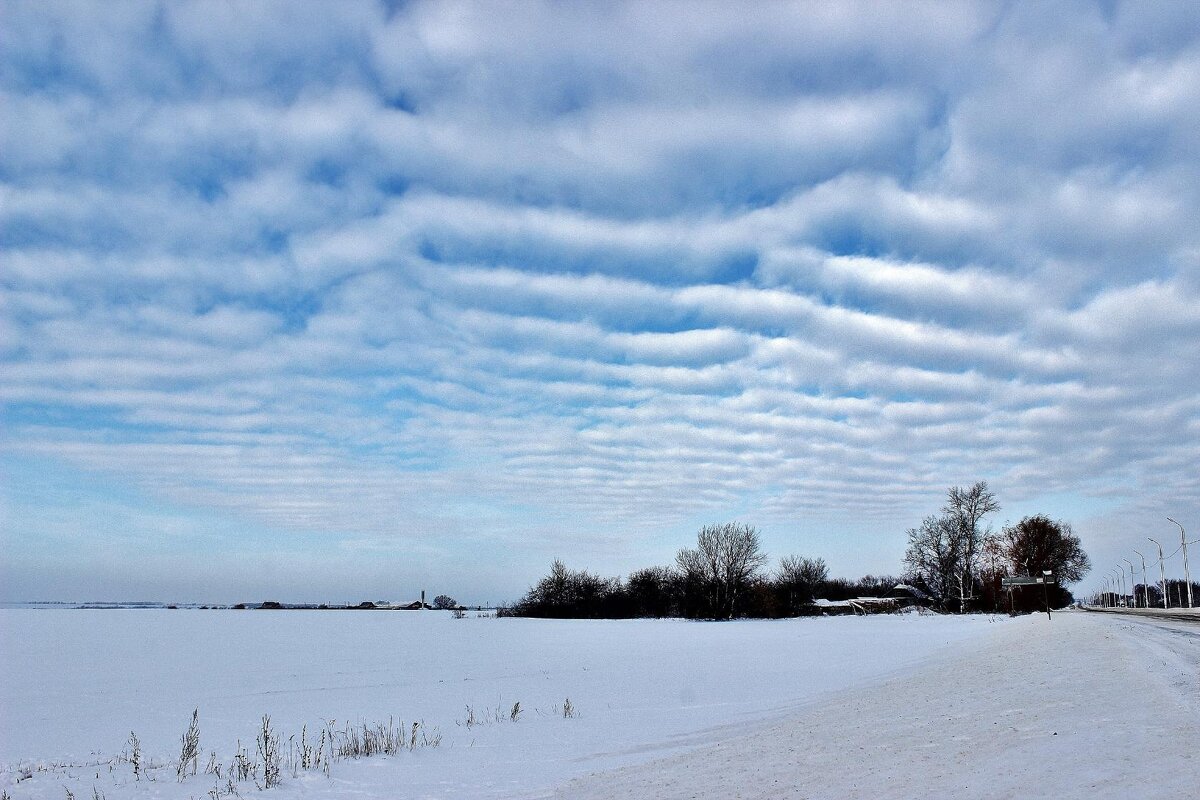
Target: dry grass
pixel 268 761
pixel 189 752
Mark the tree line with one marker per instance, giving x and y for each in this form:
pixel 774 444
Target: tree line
pixel 724 576
pixel 951 558
pixel 961 563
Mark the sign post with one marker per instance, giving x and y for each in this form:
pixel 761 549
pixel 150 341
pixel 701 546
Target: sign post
pixel 1045 579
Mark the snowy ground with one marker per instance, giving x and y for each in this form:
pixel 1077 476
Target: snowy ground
pixel 77 682
pixel 1081 706
pixel 838 707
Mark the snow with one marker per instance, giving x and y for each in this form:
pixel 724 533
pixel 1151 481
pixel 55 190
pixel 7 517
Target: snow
pixel 1080 706
pixel 836 707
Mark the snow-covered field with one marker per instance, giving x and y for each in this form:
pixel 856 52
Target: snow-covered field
pixel 836 707
pixel 1082 706
pixel 76 683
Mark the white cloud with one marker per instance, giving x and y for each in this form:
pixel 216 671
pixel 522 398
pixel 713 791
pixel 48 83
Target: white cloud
pixel 599 270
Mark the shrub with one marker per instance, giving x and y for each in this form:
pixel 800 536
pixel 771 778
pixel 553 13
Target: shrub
pixel 570 594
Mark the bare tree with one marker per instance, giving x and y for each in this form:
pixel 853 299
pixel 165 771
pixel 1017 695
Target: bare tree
pixel 799 578
pixel 944 552
pixel 993 558
pixel 722 565
pixel 966 508
pixel 934 555
pixel 444 601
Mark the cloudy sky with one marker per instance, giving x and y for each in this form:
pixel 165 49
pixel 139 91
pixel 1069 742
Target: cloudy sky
pixel 347 300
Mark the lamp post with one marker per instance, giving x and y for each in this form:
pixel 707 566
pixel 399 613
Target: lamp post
pixel 1187 576
pixel 1162 573
pixel 1145 582
pixel 1132 585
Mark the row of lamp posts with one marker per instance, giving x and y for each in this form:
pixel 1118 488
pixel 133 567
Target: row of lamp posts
pixel 1116 580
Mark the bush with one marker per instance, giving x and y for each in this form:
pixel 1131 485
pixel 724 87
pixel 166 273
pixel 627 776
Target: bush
pixel 653 592
pixel 571 594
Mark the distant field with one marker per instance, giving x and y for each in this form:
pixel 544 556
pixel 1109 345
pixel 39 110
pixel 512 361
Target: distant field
pixel 78 682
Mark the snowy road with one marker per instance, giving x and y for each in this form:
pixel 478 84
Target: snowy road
pixel 1191 615
pixel 1082 706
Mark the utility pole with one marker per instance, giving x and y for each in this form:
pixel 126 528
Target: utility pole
pixel 1162 573
pixel 1132 585
pixel 1145 582
pixel 1187 576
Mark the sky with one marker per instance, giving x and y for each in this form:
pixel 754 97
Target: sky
pixel 337 301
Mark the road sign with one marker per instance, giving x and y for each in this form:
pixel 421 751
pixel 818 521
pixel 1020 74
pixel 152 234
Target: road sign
pixel 1046 578
pixel 1025 580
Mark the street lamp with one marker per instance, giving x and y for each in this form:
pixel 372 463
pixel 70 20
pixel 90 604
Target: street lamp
pixel 1187 576
pixel 1162 573
pixel 1132 585
pixel 1145 583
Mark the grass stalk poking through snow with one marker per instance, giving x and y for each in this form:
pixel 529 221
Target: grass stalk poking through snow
pixel 268 752
pixel 135 755
pixel 189 752
pixel 242 767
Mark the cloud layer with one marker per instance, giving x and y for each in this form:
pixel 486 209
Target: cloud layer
pixel 571 279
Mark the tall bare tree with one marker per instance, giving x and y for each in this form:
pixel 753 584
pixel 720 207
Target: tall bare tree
pixel 967 508
pixel 944 552
pixel 799 578
pixel 933 556
pixel 722 565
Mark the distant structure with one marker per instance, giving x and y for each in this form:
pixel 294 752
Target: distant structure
pixel 914 596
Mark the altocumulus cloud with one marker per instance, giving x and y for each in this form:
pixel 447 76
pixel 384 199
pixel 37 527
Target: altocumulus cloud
pixel 437 291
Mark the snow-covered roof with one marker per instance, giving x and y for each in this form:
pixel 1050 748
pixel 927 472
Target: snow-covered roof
pixel 914 591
